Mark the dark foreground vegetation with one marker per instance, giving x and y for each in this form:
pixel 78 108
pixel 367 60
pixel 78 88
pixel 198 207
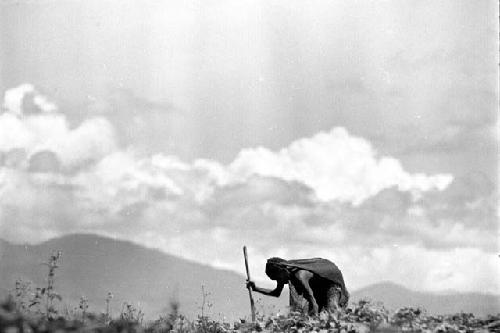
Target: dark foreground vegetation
pixel 42 309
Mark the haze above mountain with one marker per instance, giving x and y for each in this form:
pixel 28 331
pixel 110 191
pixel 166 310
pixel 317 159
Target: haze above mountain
pixel 93 266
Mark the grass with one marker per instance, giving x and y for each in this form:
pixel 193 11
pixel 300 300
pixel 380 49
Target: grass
pixel 34 309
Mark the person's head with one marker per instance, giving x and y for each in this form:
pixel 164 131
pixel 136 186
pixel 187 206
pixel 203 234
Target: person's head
pixel 276 270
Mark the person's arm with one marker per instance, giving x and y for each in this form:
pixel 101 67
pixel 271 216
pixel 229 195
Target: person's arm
pixel 276 292
pixel 303 278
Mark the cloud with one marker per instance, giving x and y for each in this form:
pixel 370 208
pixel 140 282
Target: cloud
pixel 150 126
pixel 44 161
pixel 15 99
pixel 164 203
pixel 36 206
pixel 50 131
pixel 471 198
pixel 337 166
pixel 328 195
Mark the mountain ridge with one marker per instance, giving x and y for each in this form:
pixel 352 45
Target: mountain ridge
pixel 395 296
pixel 95 265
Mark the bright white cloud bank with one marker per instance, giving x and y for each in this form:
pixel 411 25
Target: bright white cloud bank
pixel 329 195
pixel 337 166
pixel 14 99
pixel 47 130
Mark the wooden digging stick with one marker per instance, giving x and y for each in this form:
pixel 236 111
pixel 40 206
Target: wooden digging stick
pixel 252 304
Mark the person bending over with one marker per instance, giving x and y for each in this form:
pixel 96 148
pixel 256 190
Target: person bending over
pixel 315 284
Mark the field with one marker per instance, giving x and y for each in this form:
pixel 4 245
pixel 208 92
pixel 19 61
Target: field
pixel 42 309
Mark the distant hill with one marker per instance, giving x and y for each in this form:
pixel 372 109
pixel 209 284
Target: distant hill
pixel 94 265
pixel 395 296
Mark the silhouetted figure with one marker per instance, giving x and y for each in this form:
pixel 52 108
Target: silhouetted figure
pixel 315 284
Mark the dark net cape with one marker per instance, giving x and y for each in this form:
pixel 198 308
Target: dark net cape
pixel 323 268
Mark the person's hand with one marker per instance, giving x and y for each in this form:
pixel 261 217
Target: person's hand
pixel 251 284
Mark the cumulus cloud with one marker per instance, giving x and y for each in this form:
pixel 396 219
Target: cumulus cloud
pixel 328 195
pixel 337 166
pixel 15 98
pixel 50 131
pixel 327 167
pixel 165 203
pixel 44 161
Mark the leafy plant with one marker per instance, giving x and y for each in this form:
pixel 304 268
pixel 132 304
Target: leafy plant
pixel 22 294
pixel 49 292
pixel 83 305
pixel 367 312
pixel 107 316
pixel 131 314
pixel 407 317
pixel 33 310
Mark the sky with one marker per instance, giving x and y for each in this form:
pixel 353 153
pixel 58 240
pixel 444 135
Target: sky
pixel 364 132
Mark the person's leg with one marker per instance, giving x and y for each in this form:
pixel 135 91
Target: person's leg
pixel 333 298
pixel 297 302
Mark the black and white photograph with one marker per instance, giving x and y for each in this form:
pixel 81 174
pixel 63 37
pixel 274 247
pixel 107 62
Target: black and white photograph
pixel 213 166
